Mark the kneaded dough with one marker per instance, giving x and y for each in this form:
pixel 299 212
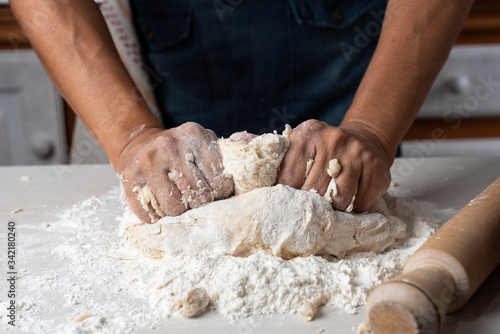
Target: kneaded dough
pixel 255 164
pixel 281 220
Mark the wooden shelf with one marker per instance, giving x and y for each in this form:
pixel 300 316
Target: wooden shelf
pixel 483 24
pixel 487 127
pixel 11 34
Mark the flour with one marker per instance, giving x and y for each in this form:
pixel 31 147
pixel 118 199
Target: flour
pixel 289 261
pixel 262 283
pixel 111 288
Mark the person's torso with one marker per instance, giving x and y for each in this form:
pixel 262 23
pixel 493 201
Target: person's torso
pixel 256 65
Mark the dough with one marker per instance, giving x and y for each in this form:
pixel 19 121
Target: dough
pixel 333 171
pixel 281 220
pixel 255 164
pixel 149 202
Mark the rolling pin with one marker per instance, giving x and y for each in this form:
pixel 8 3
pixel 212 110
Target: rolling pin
pixel 443 273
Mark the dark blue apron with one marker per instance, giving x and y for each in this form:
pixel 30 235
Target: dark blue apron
pixel 234 65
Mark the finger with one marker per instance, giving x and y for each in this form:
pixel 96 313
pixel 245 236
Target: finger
pixel 208 160
pixel 168 196
pixel 192 185
pixel 369 189
pixel 295 163
pixel 130 197
pixel 347 187
pixel 318 178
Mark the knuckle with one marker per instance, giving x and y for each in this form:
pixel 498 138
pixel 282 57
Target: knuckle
pixel 312 125
pixel 192 127
pixel 139 211
pixel 360 148
pixel 162 142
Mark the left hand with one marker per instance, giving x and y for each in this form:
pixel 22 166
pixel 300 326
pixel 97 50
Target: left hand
pixel 364 162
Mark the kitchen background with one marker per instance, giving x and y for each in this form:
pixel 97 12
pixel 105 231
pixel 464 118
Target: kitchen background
pixel 461 116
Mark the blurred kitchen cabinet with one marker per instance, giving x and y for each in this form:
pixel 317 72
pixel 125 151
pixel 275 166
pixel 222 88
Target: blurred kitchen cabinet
pixel 473 62
pixel 32 127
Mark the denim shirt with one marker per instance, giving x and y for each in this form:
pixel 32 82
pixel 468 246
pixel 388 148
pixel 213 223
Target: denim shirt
pixel 253 65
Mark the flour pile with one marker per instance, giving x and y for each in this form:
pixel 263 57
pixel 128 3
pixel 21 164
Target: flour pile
pixel 262 283
pixel 111 288
pixel 273 249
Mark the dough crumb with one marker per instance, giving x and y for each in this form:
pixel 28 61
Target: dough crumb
pixel 364 328
pixel 334 171
pixel 192 303
pixel 307 311
pixel 288 131
pixel 309 165
pixel 149 203
pixel 189 157
pixel 185 202
pixel 173 175
pixel 25 178
pixel 81 317
pixel 334 168
pixel 13 212
pixel 351 205
pixel 393 184
pixel 138 131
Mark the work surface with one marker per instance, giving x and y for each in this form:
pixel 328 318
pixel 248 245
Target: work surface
pixel 448 182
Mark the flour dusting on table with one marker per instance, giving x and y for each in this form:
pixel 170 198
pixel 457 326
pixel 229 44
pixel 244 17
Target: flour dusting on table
pixel 110 288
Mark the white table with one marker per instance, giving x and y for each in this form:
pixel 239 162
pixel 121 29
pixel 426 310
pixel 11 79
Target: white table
pixel 449 182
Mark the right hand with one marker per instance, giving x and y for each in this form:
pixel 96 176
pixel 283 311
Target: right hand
pixel 182 166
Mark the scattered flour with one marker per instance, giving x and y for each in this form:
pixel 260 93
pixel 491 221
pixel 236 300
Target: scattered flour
pixel 110 288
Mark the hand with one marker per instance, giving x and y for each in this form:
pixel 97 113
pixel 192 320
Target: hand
pixel 364 162
pixel 182 166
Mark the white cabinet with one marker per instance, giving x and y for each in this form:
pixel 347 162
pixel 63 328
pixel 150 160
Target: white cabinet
pixel 32 128
pixel 467 86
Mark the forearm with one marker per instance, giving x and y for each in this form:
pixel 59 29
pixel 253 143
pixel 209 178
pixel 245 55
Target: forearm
pixel 76 49
pixel 414 43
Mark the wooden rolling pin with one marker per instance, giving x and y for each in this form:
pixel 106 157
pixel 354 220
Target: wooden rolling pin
pixel 443 273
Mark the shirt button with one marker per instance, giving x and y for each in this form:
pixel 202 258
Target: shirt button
pixel 150 35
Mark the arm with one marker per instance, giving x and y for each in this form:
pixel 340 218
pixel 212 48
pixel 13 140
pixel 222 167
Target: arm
pixel 77 51
pixel 415 41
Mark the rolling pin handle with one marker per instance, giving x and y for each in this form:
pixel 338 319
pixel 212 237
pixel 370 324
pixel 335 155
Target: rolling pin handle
pixel 415 302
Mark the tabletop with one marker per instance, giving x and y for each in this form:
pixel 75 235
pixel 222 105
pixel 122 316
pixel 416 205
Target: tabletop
pixel 36 194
